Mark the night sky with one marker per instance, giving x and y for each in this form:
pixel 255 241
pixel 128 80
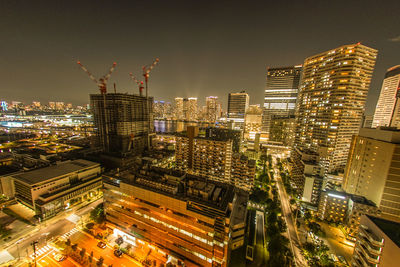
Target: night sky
pixel 205 47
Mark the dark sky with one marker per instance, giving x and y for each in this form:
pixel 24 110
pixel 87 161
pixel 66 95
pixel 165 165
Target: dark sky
pixel 205 47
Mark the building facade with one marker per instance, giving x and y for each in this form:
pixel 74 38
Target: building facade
pixel 378 243
pixel 184 217
pixel 213 109
pixel 179 108
pixel 190 109
pixel 387 101
pixel 281 130
pixel 373 169
pixel 53 189
pixel 331 102
pixel 280 96
pixel 252 122
pixel 238 103
pixel 123 122
pixel 212 156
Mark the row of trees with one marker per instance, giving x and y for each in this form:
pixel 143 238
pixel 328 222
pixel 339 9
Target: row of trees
pixel 80 256
pixel 279 253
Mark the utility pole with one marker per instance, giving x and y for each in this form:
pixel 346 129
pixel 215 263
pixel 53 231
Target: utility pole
pixel 33 244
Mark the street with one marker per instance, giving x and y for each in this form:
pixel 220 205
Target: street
pixel 48 230
pixel 291 230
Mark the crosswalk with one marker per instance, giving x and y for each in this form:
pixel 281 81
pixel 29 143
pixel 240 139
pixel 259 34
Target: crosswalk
pixel 40 251
pixel 68 234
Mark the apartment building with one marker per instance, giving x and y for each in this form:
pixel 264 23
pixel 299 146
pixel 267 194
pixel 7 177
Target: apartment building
pixel 212 156
pixel 373 169
pixel 331 102
pixel 187 217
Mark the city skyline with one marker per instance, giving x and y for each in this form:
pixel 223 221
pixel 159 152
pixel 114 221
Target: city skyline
pixel 194 60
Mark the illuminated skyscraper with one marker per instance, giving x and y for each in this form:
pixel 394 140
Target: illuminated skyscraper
pixel 331 102
pixel 190 108
pixel 212 109
pixel 280 93
pixel 238 103
pixel 388 100
pixel 179 108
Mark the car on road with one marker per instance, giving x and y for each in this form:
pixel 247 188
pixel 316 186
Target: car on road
pixel 119 241
pixel 101 244
pixel 118 253
pixel 59 257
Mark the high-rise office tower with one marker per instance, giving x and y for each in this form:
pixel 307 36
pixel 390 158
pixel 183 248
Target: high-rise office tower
pixel 388 100
pixel 212 109
pixel 238 103
pixel 330 107
pixel 179 108
pixel 122 121
pixel 373 169
pixel 280 93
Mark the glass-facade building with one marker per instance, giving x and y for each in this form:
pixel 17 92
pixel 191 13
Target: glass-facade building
pixel 280 93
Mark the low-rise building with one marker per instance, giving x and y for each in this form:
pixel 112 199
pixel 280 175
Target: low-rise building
pixel 185 217
pixel 378 243
pixel 357 207
pixel 333 206
pixel 52 189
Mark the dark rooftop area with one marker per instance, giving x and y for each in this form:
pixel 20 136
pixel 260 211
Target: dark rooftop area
pixel 178 184
pixel 390 228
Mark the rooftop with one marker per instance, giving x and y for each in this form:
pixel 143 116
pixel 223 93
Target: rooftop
pixel 390 228
pixel 179 185
pixel 386 134
pixel 47 173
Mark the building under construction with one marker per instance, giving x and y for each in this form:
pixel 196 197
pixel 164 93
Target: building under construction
pixel 124 122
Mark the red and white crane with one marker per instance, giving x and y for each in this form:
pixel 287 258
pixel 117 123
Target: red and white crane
pixel 146 73
pixel 102 82
pixel 139 83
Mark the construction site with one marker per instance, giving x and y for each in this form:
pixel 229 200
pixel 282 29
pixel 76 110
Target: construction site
pixel 124 124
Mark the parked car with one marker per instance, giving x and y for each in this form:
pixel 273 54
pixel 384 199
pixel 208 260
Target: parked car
pixel 101 244
pixel 119 241
pixel 118 253
pixel 59 257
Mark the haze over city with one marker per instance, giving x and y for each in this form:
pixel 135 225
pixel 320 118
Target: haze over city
pixel 205 48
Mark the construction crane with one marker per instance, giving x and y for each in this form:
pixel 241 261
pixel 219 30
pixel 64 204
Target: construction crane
pixel 139 83
pixel 146 73
pixel 102 82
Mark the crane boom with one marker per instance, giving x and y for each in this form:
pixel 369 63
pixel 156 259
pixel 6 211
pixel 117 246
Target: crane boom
pixel 139 83
pixel 107 76
pixel 102 82
pixel 87 71
pixel 146 73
